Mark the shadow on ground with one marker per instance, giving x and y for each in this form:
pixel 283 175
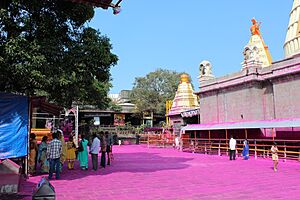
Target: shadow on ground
pixel 140 162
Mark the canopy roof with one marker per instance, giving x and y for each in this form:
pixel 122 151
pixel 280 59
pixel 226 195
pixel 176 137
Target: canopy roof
pixel 276 123
pixel 40 101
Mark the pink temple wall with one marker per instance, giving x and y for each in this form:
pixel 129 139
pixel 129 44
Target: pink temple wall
pixel 287 97
pixel 240 103
pixel 272 93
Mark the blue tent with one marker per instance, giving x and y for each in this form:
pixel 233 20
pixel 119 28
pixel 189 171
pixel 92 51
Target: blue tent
pixel 14 122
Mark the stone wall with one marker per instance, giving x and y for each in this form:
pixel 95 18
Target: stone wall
pixel 287 96
pixel 253 94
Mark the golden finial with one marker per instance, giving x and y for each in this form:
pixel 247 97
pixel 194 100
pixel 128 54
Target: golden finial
pixel 184 78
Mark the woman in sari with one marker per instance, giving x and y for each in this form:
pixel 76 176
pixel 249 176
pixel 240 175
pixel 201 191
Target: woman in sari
pixel 42 158
pixel 245 152
pixel 32 153
pixel 83 153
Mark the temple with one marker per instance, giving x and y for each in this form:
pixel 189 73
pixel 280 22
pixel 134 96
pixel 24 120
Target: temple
pixel 185 105
pixel 259 103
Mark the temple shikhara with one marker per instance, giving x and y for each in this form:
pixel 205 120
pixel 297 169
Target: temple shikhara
pixel 185 104
pixel 256 51
pixel 292 41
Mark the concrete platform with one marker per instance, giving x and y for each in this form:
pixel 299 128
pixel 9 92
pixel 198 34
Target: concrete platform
pixel 141 173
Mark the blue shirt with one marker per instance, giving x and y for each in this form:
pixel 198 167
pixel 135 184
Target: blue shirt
pixel 95 147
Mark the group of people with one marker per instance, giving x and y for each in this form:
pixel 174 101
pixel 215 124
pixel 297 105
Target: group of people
pixel 232 149
pixel 245 152
pixel 51 156
pixel 100 143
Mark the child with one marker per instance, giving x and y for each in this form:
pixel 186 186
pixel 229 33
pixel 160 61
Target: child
pixel 274 151
pixel 71 156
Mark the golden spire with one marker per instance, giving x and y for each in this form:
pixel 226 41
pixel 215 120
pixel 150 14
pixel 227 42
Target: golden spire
pixel 184 99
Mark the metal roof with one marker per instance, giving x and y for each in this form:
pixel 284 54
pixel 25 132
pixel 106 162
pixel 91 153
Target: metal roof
pixel 276 123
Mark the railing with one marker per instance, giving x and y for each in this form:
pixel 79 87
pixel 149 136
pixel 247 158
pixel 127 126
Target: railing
pixel 287 149
pixel 157 140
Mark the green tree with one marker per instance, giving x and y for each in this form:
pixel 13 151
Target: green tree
pixel 46 48
pixel 151 92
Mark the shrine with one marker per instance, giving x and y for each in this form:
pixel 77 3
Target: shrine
pixel 185 105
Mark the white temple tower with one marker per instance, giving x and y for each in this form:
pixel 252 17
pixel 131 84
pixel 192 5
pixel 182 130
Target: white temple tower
pixel 292 40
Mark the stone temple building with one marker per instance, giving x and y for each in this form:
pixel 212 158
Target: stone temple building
pixel 261 102
pixel 261 90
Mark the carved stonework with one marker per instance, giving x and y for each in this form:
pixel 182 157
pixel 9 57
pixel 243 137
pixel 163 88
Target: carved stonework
pixel 205 69
pixel 251 57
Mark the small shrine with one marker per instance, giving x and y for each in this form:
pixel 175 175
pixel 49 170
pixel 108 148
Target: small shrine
pixel 205 70
pixel 256 52
pixel 185 105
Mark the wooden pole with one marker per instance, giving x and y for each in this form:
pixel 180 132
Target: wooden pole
pixel 195 137
pixel 246 134
pixel 148 138
pixel 226 131
pixel 209 135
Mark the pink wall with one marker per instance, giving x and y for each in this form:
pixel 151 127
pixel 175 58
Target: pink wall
pixel 254 94
pixel 287 97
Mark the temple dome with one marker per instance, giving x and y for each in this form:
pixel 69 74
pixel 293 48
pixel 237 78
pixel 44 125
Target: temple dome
pixel 184 99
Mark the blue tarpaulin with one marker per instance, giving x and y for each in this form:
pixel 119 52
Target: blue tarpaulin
pixel 13 125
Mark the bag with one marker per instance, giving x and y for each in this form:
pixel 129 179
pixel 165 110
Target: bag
pixel 80 147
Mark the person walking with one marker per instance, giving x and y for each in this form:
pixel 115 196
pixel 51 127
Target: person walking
pixel 94 150
pixel 245 152
pixel 42 155
pixel 274 150
pixel 54 150
pixel 71 155
pixel 232 147
pixel 83 153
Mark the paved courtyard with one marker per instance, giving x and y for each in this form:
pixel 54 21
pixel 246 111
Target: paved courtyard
pixel 141 173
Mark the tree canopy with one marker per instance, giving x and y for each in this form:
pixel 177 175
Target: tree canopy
pixel 47 49
pixel 151 92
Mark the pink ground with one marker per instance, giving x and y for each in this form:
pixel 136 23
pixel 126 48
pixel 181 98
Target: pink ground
pixel 141 173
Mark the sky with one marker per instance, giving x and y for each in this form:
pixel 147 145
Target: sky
pixel 178 35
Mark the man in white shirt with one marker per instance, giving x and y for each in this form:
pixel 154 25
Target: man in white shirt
pixel 232 146
pixel 94 150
